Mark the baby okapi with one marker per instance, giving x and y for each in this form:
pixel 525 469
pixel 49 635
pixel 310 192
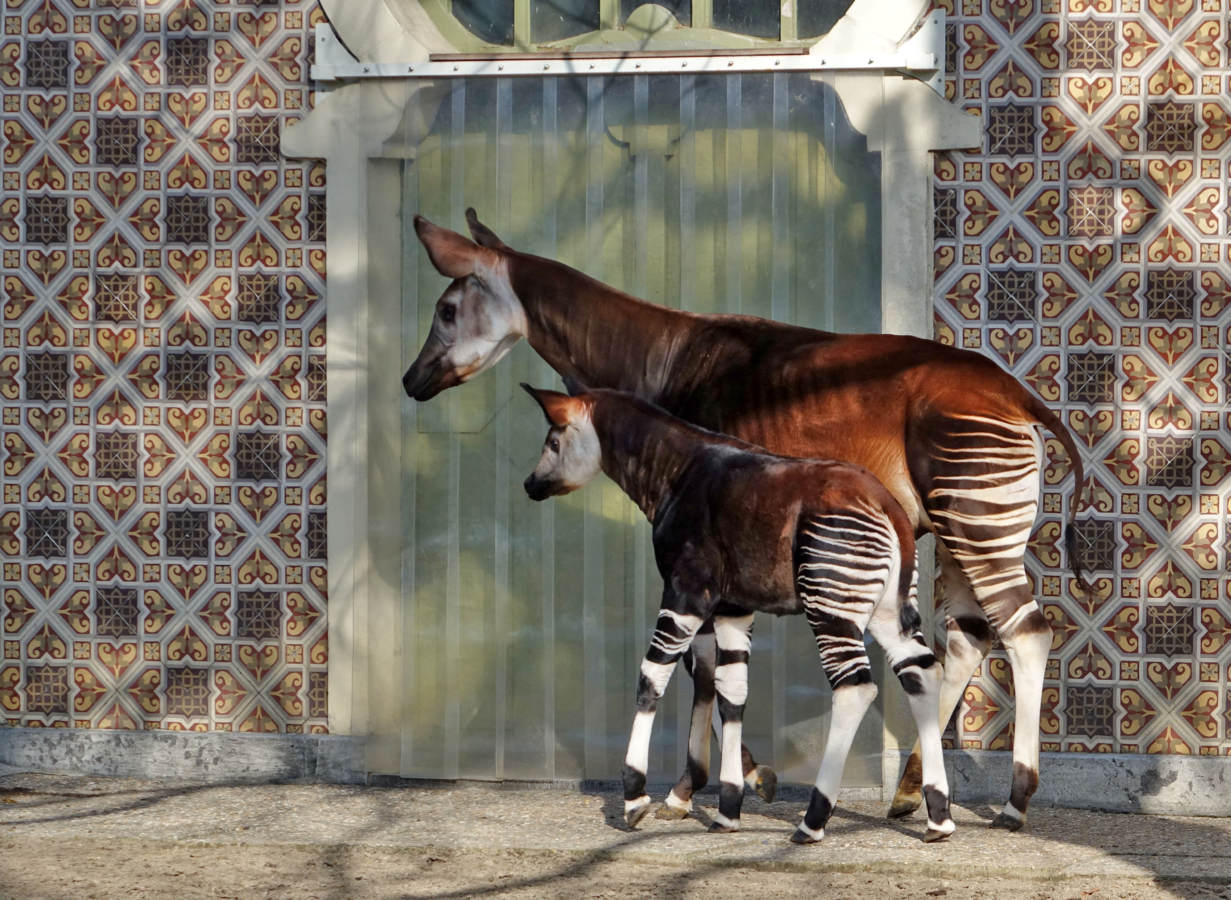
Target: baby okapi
pixel 736 530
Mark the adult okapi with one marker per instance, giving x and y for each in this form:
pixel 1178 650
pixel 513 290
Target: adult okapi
pixel 953 436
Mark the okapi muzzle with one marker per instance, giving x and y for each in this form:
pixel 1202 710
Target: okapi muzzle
pixel 426 377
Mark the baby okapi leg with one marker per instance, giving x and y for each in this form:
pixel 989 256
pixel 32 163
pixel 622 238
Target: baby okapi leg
pixel 672 636
pixel 849 671
pixel 699 663
pixel 897 631
pixel 734 636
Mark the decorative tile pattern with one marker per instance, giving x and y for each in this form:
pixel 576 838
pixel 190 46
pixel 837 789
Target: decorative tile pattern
pixel 162 374
pixel 1105 177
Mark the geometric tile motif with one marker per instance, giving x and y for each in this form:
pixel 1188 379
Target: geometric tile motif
pixel 1092 377
pixel 155 312
pixel 116 141
pixel 1110 183
pixel 1170 127
pixel 47 533
pixel 944 206
pixel 47 220
pixel 1169 294
pixel 187 376
pixel 1169 462
pixel 115 455
pixel 1091 45
pixel 1091 212
pixel 318 539
pixel 187 691
pixel 187 61
pixel 1089 710
pixel 116 298
pixel 1010 130
pixel 1169 630
pixel 1011 295
pixel 316 217
pixel 188 220
pixel 259 299
pixel 188 534
pixel 259 614
pixel 47 689
pixel 1096 545
pixel 256 139
pixel 46 376
pixel 47 64
pixel 116 611
pixel 258 456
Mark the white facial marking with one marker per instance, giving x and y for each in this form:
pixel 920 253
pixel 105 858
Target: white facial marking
pixel 579 457
pixel 479 322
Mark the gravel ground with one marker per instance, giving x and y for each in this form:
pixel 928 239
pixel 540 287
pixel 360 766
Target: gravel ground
pixel 63 837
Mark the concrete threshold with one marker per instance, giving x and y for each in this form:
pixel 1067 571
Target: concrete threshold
pixel 1168 785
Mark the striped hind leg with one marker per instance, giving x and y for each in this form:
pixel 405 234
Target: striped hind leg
pixel 895 626
pixel 849 671
pixel 672 636
pixel 733 632
pixel 982 499
pixel 968 637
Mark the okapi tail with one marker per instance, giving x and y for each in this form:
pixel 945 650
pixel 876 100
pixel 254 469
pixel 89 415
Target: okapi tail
pixel 1052 423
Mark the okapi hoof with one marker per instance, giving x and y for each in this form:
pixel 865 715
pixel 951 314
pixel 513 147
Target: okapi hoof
pixel 767 784
pixel 904 805
pixel 671 813
pixel 934 835
pixel 802 837
pixel 1008 823
pixel 633 816
pixel 719 828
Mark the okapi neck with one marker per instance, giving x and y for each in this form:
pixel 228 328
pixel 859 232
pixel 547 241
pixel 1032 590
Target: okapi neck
pixel 600 336
pixel 644 452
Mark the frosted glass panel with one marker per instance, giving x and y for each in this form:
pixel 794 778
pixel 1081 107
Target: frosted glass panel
pixel 524 623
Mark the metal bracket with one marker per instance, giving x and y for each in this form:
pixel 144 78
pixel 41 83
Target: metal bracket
pixel 923 57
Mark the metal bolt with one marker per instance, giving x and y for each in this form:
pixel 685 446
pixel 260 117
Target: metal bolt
pixel 730 62
pixel 591 65
pixel 500 67
pixel 455 68
pixel 684 65
pixel 638 65
pixel 546 67
pixel 777 62
pixel 366 69
pixel 412 68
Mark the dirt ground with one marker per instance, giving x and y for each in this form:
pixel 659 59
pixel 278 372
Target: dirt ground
pixel 68 838
pixel 93 869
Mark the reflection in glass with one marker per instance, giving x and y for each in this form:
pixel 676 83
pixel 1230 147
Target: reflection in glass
pixel 817 17
pixel 757 18
pixel 681 9
pixel 555 20
pixel 490 20
pixel 526 622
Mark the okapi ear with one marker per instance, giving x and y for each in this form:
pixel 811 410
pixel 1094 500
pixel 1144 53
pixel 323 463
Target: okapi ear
pixel 453 255
pixel 483 235
pixel 560 409
pixel 573 385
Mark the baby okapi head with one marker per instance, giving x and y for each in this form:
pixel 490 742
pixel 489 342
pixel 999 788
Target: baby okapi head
pixel 571 454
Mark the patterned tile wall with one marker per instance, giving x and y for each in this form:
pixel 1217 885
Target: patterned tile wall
pixel 163 370
pixel 1085 246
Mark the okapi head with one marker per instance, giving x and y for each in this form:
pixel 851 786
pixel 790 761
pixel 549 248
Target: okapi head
pixel 571 454
pixel 478 318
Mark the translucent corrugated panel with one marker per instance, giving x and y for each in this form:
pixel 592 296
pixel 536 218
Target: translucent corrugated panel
pixel 524 623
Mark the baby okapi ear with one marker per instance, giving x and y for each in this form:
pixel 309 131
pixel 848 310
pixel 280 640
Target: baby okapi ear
pixel 481 233
pixel 453 255
pixel 560 409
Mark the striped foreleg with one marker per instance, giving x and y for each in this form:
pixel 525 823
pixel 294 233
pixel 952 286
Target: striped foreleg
pixel 672 636
pixel 734 636
pixel 699 663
